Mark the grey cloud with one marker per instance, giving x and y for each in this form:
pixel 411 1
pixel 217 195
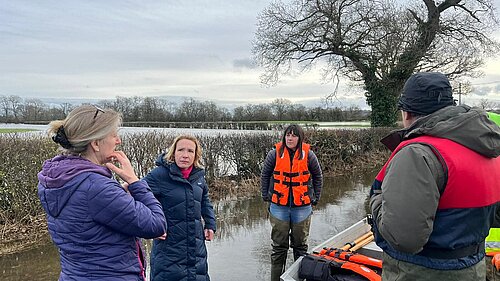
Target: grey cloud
pixel 87 48
pixel 244 63
pixel 481 90
pixel 497 88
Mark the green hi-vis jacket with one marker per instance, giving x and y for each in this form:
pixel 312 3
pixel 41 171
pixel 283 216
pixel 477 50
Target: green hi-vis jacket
pixel 494 117
pixel 493 239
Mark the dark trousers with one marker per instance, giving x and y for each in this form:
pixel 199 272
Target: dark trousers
pixel 285 234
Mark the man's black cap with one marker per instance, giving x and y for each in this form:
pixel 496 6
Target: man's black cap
pixel 425 93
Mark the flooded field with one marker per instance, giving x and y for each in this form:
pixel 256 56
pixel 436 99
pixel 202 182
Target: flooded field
pixel 40 129
pixel 322 125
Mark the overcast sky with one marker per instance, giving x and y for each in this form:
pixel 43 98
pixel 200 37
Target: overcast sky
pixel 193 48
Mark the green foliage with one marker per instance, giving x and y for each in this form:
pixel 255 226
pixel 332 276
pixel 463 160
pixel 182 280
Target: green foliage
pixel 339 151
pixel 383 101
pixel 142 149
pixel 21 158
pixel 243 154
pixel 237 157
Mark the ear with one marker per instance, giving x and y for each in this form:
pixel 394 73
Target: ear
pixel 407 115
pixel 95 145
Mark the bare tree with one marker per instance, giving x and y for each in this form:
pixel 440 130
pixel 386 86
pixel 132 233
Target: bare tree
pixel 190 109
pixel 33 109
pixel 487 104
pixel 280 107
pixel 168 109
pixel 461 88
pixel 66 107
pixel 212 112
pixel 252 112
pixel 376 43
pixel 15 104
pixel 4 107
pixel 152 109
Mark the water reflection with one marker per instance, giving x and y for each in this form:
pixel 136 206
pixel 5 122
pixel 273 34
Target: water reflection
pixel 242 246
pixel 41 263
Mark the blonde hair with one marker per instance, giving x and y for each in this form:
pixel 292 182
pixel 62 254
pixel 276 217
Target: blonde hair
pixel 170 157
pixel 83 125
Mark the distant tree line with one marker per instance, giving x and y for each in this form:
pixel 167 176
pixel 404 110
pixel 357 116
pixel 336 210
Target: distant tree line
pixel 16 109
pixel 153 109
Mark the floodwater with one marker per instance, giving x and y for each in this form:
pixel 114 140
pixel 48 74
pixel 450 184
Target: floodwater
pixel 242 246
pixel 41 129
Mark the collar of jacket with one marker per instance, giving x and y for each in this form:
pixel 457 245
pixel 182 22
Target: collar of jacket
pixel 175 172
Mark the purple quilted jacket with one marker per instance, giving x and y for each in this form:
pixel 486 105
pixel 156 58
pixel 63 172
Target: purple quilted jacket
pixel 94 222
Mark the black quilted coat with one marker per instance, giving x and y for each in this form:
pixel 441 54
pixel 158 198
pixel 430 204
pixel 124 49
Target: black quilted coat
pixel 183 255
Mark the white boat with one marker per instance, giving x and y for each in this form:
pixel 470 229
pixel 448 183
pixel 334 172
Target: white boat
pixel 337 241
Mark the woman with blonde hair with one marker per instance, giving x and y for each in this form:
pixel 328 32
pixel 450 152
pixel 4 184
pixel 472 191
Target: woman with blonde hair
pixel 92 220
pixel 179 184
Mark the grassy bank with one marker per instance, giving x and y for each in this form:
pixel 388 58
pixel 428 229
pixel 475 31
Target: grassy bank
pixel 232 165
pixel 6 131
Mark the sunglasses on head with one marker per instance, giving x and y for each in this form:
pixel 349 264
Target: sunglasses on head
pixel 97 110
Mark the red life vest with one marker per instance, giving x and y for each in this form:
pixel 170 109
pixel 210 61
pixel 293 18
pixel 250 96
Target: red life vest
pixel 291 179
pixel 467 203
pixel 465 169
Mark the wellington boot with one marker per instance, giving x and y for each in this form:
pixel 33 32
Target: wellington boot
pixel 276 271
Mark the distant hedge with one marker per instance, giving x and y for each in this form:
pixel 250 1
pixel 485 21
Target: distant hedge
pixel 219 125
pixel 235 158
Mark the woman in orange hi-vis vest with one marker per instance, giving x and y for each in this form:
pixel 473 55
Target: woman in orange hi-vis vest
pixel 291 181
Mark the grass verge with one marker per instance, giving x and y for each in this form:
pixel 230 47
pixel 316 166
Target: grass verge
pixel 6 131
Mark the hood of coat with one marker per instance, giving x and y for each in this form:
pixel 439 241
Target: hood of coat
pixel 467 126
pixel 61 176
pixel 175 171
pixel 56 172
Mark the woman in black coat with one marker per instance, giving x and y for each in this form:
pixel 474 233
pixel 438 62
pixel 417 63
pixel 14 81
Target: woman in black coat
pixel 179 184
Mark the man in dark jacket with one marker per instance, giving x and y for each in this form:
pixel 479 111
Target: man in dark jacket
pixel 434 200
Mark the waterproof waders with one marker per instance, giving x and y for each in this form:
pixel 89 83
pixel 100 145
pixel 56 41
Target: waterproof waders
pixel 285 234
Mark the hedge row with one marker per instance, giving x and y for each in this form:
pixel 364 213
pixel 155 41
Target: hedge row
pixel 227 158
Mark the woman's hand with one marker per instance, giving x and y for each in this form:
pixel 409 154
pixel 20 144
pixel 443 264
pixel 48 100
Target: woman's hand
pixel 209 234
pixel 124 169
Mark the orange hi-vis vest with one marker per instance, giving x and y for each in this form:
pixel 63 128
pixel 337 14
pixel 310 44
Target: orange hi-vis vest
pixel 291 180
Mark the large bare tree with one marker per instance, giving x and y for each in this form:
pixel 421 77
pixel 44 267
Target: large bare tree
pixel 377 43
